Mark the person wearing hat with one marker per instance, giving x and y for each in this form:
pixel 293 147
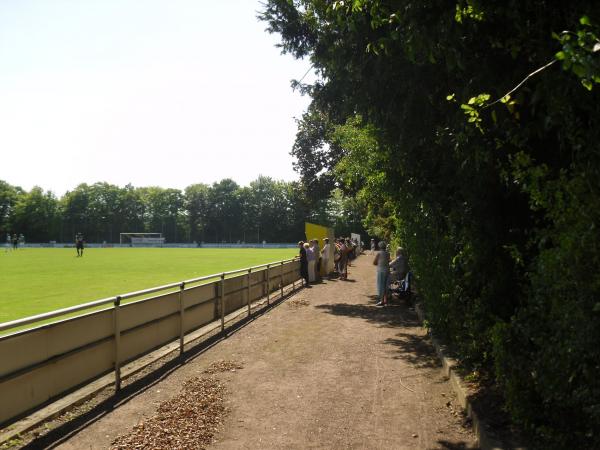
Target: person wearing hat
pixel 382 261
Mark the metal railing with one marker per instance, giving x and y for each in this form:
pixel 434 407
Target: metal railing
pixel 119 353
pixel 107 338
pixel 105 301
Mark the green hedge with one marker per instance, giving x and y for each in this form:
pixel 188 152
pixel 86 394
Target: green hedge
pixel 495 196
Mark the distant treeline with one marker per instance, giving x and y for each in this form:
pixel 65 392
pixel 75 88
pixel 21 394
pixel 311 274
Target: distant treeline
pixel 266 210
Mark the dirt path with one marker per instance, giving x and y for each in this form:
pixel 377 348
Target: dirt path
pixel 324 369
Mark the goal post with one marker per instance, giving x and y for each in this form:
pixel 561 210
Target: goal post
pixel 141 239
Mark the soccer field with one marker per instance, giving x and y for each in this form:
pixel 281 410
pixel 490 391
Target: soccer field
pixel 34 281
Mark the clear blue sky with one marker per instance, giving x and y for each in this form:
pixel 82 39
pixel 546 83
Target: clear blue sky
pixel 151 92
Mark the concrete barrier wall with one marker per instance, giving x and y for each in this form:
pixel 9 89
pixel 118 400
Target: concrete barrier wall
pixel 43 363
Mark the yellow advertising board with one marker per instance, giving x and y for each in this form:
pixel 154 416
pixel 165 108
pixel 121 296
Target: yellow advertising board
pixel 320 232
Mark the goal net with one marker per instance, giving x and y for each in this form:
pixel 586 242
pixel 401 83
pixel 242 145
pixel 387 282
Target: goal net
pixel 141 239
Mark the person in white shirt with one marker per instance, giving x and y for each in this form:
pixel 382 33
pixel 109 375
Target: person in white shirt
pixel 312 261
pixel 399 266
pixel 326 257
pixel 382 261
pixel 317 250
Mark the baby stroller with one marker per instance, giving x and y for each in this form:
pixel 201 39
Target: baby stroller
pixel 402 288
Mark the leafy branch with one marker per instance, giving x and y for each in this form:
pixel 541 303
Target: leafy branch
pixel 579 52
pixel 578 55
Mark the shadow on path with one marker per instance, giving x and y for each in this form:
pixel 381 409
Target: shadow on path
pixel 414 349
pixel 411 347
pixel 391 316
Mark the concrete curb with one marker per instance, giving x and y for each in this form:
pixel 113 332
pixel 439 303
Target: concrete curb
pixel 88 391
pixel 482 429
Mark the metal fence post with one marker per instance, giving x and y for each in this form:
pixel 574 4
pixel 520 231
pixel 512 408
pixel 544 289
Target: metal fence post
pixel 268 284
pixel 117 309
pixel 181 317
pixel 222 302
pixel 249 308
pixel 281 279
pixel 293 279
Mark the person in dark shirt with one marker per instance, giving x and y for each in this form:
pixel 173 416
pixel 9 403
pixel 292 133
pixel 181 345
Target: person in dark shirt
pixel 303 262
pixel 79 244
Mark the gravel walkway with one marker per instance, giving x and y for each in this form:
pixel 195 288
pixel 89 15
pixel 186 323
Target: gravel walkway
pixel 324 369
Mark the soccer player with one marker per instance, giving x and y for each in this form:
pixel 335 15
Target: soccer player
pixel 79 244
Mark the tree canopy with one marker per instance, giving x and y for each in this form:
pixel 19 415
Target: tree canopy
pixel 468 130
pixel 266 210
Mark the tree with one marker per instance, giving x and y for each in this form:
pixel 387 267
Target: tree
pixel 197 207
pixel 74 206
pixel 129 211
pixel 103 211
pixel 8 197
pixel 226 212
pixel 162 212
pixel 315 151
pixel 487 190
pixel 36 215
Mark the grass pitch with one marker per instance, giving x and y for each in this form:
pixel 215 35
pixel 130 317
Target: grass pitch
pixel 34 281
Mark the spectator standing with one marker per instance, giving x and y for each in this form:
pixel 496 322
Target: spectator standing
pixel 343 263
pixel 303 261
pixel 349 252
pixel 325 257
pixel 15 241
pixel 336 256
pixel 317 251
pixel 399 266
pixel 312 259
pixel 382 261
pixel 372 246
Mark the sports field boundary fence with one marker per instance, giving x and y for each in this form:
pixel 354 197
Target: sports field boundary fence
pixel 42 363
pixel 165 245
